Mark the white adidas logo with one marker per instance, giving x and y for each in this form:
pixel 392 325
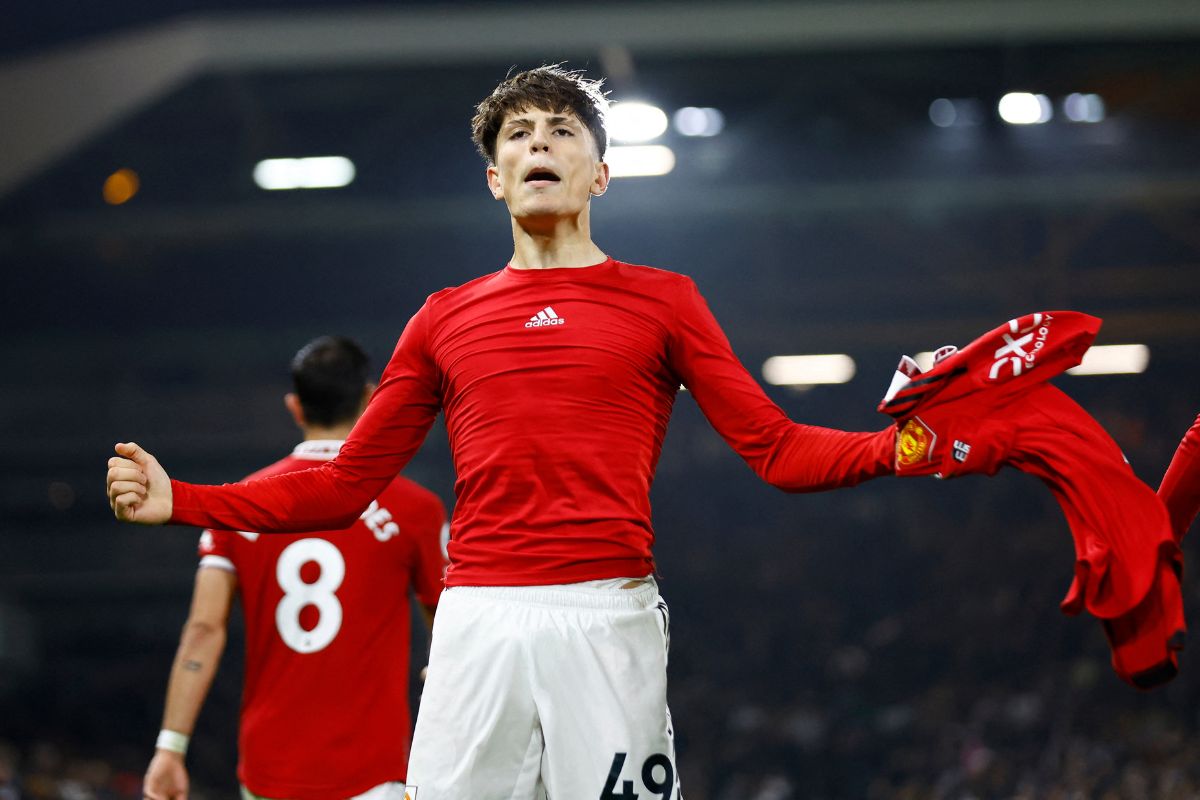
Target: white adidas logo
pixel 545 317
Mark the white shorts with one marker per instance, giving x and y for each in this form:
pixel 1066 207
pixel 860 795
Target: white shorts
pixel 555 692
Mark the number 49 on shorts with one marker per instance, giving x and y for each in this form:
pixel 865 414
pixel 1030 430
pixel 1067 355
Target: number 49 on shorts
pixel 658 775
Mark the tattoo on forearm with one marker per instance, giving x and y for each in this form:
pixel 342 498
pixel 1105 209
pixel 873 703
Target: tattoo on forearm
pixel 192 666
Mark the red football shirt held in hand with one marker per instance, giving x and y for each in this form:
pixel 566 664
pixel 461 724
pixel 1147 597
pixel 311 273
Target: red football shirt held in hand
pixel 988 406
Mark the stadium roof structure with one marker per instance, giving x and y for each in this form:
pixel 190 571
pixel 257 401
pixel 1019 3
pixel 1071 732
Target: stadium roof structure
pixel 828 138
pixel 75 91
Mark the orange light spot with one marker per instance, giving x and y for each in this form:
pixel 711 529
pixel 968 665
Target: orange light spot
pixel 120 186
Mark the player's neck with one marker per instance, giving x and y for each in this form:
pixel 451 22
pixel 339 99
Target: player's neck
pixel 554 243
pixel 317 432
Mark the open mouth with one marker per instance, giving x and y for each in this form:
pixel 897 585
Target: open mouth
pixel 539 174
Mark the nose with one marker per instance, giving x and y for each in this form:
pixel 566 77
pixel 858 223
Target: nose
pixel 539 141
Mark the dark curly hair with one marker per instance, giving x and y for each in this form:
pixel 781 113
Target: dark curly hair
pixel 546 88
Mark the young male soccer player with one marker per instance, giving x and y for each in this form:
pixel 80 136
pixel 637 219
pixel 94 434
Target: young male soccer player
pixel 557 375
pixel 325 693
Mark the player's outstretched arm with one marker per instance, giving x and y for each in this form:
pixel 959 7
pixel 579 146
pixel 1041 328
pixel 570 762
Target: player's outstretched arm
pixel 139 489
pixel 788 455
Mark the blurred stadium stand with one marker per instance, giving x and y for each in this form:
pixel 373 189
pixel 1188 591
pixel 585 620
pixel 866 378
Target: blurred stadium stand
pixel 900 640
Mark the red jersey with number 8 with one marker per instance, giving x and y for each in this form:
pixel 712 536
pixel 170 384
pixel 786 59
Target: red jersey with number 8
pixel 325 694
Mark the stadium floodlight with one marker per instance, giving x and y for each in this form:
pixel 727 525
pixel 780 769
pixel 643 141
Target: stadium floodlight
pixel 1024 108
pixel 1113 359
pixel 635 122
pixel 643 160
pixel 1083 107
pixel 693 121
pixel 317 172
pixel 808 370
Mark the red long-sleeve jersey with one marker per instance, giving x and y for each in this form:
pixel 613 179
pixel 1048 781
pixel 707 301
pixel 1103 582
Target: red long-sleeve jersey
pixel 557 386
pixel 1180 487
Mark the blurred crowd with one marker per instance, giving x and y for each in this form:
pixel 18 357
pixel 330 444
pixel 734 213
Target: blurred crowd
pixel 898 640
pixel 46 771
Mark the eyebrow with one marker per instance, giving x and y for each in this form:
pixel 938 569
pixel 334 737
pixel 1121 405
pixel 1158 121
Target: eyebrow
pixel 557 120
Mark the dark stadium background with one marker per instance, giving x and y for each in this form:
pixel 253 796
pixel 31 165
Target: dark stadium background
pixel 901 639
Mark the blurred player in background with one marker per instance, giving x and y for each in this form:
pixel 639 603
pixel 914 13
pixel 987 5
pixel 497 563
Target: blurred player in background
pixel 557 375
pixel 325 694
pixel 1180 488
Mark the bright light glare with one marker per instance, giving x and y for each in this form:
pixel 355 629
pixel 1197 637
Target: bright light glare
pixel 649 159
pixel 692 121
pixel 322 172
pixel 1083 107
pixel 1023 108
pixel 1113 359
pixel 635 122
pixel 808 370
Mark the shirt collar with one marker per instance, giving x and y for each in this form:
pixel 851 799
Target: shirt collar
pixel 317 449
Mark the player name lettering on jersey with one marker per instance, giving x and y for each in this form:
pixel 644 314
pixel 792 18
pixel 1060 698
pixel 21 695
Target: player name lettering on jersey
pixel 379 520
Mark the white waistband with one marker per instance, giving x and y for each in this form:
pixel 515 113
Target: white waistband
pixel 607 593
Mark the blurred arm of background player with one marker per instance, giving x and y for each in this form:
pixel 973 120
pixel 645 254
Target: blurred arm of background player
pixel 200 649
pixel 427 612
pixel 1180 488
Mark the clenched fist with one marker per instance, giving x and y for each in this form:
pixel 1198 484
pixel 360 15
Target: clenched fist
pixel 139 489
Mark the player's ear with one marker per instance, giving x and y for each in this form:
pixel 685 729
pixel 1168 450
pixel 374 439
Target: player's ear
pixel 493 181
pixel 600 179
pixel 292 402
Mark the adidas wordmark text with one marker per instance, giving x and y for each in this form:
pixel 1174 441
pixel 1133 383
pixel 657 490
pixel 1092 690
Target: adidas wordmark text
pixel 545 317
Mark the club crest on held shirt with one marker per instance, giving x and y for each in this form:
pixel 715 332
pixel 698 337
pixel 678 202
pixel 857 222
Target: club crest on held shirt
pixel 914 443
